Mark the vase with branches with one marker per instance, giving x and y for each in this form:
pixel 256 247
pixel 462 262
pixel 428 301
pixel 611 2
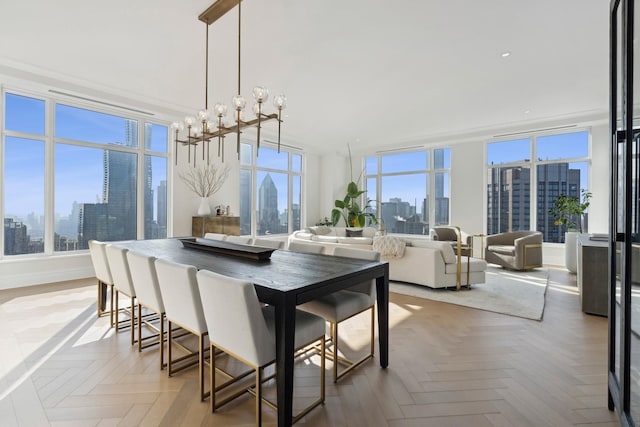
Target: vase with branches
pixel 205 181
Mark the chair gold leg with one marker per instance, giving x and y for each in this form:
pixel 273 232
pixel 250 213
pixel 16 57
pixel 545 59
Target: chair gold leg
pixel 334 335
pixel 212 376
pixel 111 306
pixel 133 321
pixel 139 327
pixel 259 375
pixel 169 348
pixel 161 337
pixel 117 308
pixel 201 365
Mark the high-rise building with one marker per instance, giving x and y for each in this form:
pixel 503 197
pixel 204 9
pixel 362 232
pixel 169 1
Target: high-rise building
pixel 268 218
pixel 162 209
pixel 509 195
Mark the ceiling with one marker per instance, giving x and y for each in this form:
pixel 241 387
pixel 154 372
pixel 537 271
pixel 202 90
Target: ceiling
pixel 370 73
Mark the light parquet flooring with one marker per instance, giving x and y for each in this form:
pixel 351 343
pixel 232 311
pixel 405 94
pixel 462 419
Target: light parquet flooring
pixel 449 366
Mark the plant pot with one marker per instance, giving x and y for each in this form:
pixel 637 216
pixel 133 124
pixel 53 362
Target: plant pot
pixel 204 209
pixel 571 251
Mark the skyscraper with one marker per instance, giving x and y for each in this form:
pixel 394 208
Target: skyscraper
pixel 268 221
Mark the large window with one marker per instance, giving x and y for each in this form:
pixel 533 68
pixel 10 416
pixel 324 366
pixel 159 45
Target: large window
pixel 108 176
pixel 410 189
pixel 526 176
pixel 270 189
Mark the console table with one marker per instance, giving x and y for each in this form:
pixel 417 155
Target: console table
pixel 223 224
pixel 592 274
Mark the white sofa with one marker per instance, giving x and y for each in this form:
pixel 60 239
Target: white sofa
pixel 424 261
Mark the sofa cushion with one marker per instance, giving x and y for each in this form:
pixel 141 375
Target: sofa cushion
pixel 475 264
pixel 448 255
pixel 303 235
pixel 503 249
pixel 356 240
pixel 325 239
pixel 389 246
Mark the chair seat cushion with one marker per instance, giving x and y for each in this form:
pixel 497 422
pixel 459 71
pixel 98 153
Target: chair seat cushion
pixel 338 306
pixel 502 249
pixel 309 327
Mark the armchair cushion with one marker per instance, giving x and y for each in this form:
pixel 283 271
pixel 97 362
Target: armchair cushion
pixel 516 250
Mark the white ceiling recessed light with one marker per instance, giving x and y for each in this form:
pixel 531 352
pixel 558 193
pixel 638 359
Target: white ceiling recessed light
pixel 527 111
pixel 505 54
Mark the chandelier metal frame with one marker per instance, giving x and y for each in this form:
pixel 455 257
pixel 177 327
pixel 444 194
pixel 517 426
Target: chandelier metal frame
pixel 200 128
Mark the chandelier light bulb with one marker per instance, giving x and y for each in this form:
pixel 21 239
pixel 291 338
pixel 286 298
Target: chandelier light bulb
pixel 211 125
pixel 260 94
pixel 239 102
pixel 257 109
pixel 203 115
pixel 189 120
pixel 280 102
pixel 197 130
pixel 220 109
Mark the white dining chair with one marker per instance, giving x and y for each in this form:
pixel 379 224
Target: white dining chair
pixel 123 284
pixel 241 240
pixel 181 296
pixel 268 243
pixel 103 274
pixel 148 295
pixel 245 330
pixel 342 305
pixel 215 236
pixel 309 248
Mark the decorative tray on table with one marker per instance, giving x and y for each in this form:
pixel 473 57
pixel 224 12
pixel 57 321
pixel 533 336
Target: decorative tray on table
pixel 227 248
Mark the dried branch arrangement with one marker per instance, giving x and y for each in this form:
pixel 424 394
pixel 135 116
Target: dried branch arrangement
pixel 205 181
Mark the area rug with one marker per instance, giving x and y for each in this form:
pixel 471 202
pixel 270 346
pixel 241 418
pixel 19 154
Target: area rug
pixel 520 294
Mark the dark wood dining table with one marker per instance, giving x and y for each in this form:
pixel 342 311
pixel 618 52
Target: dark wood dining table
pixel 285 280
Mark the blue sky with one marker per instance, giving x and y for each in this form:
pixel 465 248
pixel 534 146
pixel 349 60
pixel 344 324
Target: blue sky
pixel 78 170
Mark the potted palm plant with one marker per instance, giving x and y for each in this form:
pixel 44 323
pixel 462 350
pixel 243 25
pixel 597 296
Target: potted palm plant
pixel 568 211
pixel 350 210
pixel 349 207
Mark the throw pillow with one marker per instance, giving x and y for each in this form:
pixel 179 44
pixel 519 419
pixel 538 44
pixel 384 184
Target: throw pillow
pixel 353 233
pixel 389 246
pixel 320 230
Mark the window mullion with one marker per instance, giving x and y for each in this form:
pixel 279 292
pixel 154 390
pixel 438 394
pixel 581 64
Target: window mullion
pixel 49 184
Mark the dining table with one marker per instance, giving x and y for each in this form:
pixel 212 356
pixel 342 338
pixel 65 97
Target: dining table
pixel 284 279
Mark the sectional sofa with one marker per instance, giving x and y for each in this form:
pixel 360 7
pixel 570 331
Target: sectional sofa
pixel 418 259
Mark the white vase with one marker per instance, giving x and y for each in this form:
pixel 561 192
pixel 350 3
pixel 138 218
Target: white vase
pixel 570 251
pixel 204 209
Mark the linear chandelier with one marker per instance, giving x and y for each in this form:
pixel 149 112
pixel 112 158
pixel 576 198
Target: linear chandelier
pixel 211 124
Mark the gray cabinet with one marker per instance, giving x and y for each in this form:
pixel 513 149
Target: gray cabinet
pixel 592 274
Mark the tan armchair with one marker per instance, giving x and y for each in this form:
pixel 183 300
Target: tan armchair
pixel 460 241
pixel 515 250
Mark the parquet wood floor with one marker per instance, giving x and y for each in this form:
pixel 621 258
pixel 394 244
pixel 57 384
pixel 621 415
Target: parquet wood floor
pixel 449 366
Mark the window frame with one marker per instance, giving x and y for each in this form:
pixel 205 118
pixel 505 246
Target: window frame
pixel 50 140
pixel 430 173
pixel 253 169
pixel 532 164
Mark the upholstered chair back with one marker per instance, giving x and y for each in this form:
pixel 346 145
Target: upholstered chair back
pixel 100 263
pixel 235 319
pixel 368 287
pixel 268 243
pixel 180 294
pixel 309 248
pixel 120 271
pixel 215 236
pixel 145 280
pixel 242 240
